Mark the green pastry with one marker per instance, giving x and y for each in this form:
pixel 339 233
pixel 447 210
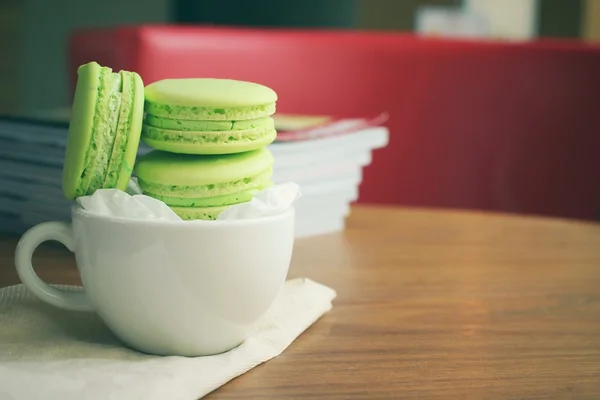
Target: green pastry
pixel 208 116
pixel 104 131
pixel 200 187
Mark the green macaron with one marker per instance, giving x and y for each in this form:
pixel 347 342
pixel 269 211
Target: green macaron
pixel 208 116
pixel 200 187
pixel 104 131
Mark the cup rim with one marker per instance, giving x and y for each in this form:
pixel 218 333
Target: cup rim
pixel 78 210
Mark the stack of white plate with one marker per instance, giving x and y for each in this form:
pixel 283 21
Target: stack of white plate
pixel 328 170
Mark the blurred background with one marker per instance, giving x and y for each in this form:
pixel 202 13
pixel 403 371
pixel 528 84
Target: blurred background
pixel 469 104
pixel 33 66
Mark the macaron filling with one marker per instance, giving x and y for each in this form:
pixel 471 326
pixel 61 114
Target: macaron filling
pixel 207 137
pixel 208 190
pixel 210 113
pixel 104 129
pixel 215 201
pixel 188 125
pixel 116 159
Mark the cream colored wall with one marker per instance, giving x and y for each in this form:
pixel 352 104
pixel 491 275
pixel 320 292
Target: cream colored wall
pixel 393 14
pixel 591 20
pixel 511 19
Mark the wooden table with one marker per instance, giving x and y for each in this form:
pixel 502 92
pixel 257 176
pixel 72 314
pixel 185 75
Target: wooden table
pixel 433 305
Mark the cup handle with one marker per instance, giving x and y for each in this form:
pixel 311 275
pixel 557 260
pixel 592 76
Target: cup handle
pixel 46 231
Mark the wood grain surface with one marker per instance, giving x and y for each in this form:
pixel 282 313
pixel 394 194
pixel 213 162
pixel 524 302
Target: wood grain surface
pixel 431 305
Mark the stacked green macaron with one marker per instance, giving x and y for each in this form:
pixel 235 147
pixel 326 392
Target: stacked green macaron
pixel 208 116
pixel 200 187
pixel 209 138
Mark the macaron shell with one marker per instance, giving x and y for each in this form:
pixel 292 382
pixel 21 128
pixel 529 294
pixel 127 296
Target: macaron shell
pixel 80 128
pixel 206 213
pixel 209 92
pixel 187 170
pixel 135 130
pixel 209 99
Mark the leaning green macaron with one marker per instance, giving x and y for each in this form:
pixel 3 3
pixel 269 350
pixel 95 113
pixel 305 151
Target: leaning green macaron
pixel 104 131
pixel 200 187
pixel 208 116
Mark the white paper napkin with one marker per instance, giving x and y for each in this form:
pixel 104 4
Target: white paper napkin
pixel 48 353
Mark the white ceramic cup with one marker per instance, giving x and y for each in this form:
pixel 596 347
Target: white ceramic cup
pixel 166 287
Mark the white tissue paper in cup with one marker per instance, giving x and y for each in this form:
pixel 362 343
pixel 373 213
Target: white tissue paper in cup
pixel 133 187
pixel 116 203
pixel 133 204
pixel 270 201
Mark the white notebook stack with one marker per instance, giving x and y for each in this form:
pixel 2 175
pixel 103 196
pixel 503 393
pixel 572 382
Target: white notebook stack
pixel 326 161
